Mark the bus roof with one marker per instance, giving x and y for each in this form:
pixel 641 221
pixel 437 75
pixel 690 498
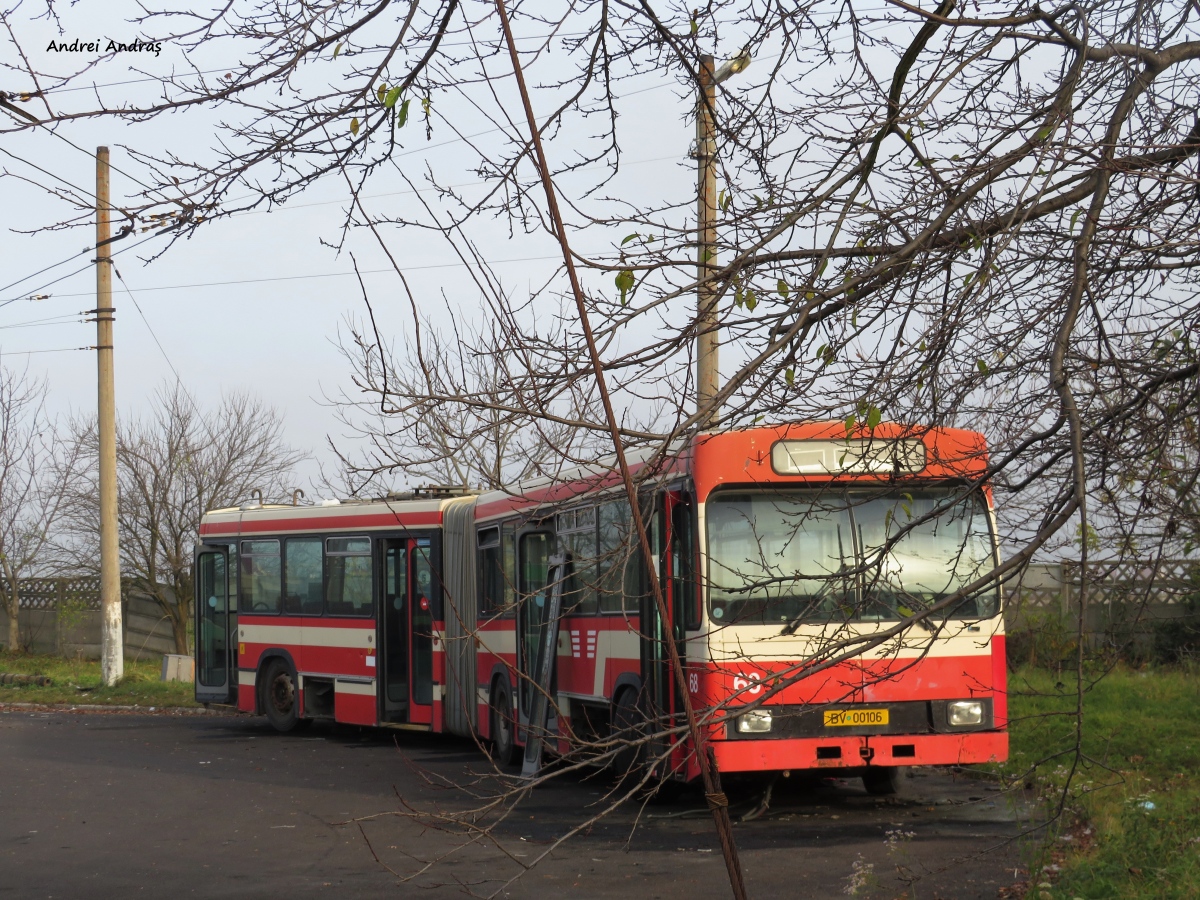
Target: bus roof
pixel 342 516
pixel 743 456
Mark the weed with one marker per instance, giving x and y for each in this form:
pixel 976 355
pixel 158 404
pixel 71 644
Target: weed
pixel 77 680
pixel 1132 810
pixel 862 878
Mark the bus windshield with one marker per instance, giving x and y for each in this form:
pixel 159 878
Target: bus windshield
pixel 819 555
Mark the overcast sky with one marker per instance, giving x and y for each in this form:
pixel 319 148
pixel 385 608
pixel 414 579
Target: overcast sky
pixel 254 302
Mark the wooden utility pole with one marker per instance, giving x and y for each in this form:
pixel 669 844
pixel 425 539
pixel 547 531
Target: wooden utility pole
pixel 112 649
pixel 708 372
pixel 707 369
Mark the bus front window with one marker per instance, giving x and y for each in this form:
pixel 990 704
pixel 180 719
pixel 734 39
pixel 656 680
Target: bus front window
pixel 779 557
pixel 791 556
pixel 919 547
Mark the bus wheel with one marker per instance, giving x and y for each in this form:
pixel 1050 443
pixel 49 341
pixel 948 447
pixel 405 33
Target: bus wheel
pixel 882 781
pixel 628 727
pixel 279 696
pixel 501 727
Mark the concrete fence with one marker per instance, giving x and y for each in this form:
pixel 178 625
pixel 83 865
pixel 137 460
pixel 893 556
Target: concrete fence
pixel 1126 602
pixel 62 616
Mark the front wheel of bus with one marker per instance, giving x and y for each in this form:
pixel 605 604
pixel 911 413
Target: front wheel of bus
pixel 628 730
pixel 501 727
pixel 279 696
pixel 883 781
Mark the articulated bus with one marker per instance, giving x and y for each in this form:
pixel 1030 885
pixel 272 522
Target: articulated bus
pixel 787 557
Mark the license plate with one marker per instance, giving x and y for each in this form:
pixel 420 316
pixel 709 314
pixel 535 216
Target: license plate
pixel 855 718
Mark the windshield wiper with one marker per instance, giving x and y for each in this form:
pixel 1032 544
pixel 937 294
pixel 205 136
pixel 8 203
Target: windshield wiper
pixel 820 595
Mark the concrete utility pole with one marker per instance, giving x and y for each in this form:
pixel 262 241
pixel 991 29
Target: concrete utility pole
pixel 707 369
pixel 112 645
pixel 708 375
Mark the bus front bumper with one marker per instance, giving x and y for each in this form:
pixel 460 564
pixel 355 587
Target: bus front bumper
pixel 775 755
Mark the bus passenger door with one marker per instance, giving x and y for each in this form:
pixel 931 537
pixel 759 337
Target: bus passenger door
pixel 393 632
pixel 216 627
pixel 421 588
pixel 534 594
pixel 406 632
pixel 669 529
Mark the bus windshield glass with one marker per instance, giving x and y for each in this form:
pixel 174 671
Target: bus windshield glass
pixel 794 555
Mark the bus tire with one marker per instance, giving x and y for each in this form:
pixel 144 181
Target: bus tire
pixel 882 781
pixel 501 726
pixel 628 724
pixel 279 696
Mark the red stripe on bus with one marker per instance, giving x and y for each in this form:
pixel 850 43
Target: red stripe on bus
pixel 310 621
pixel 1000 681
pixel 561 493
pixel 259 525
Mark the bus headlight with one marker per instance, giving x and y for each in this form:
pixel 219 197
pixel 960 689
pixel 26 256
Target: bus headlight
pixel 757 721
pixel 964 712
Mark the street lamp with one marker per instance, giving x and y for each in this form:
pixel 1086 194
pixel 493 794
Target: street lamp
pixel 707 373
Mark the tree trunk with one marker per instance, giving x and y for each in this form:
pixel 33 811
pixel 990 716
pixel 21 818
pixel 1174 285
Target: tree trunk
pixel 12 606
pixel 14 622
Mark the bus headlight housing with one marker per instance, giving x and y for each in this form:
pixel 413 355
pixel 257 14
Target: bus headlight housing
pixel 757 721
pixel 964 712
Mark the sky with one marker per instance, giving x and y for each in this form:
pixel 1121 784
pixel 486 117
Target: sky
pixel 254 302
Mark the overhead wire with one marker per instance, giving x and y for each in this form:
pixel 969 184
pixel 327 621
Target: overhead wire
pixel 69 184
pixel 203 419
pixel 71 143
pixel 150 328
pixel 61 262
pixel 4 352
pixel 346 55
pixel 4 303
pixel 279 209
pixel 448 265
pixel 65 319
pixel 410 152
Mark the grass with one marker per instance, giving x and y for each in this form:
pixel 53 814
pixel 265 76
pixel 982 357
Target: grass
pixel 1131 823
pixel 77 681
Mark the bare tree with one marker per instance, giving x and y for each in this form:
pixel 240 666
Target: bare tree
pixel 171 468
pixel 979 215
pixel 31 488
pixel 446 415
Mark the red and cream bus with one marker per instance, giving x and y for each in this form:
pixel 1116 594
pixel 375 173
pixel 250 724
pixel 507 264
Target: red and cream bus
pixel 788 558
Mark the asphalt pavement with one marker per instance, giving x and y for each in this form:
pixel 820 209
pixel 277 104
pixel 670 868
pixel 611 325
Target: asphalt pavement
pixel 123 805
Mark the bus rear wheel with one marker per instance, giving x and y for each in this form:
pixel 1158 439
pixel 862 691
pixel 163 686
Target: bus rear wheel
pixel 501 727
pixel 279 697
pixel 628 729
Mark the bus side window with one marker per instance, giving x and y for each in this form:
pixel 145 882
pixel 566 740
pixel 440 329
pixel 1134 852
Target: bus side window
pixel 535 563
pixel 302 577
pixel 261 577
pixel 617 555
pixel 577 538
pixel 497 570
pixel 508 565
pixel 490 572
pixel 348 577
pixel 638 579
